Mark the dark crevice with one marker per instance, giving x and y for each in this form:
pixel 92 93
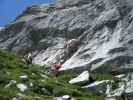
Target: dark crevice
pixel 116 50
pixel 130 41
pixel 96 61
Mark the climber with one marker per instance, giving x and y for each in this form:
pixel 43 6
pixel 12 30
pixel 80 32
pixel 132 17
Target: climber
pixel 71 46
pixel 64 54
pixel 28 59
pixel 55 68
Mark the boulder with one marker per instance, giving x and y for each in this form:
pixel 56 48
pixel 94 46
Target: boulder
pixel 81 79
pixel 66 97
pixel 22 87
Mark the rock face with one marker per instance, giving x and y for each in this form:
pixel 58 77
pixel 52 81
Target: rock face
pixel 106 24
pixel 98 86
pixel 1 28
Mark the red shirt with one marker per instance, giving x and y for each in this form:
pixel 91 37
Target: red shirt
pixel 56 67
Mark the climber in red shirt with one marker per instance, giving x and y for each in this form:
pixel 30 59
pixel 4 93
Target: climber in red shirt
pixel 55 68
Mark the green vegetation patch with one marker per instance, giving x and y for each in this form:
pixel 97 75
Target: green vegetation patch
pixel 38 86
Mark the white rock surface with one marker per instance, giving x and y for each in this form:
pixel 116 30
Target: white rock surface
pixel 83 77
pixel 22 87
pixel 24 77
pixel 66 97
pixel 120 76
pixel 14 98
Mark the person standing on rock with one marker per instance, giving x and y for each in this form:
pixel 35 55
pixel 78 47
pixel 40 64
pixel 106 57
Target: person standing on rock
pixel 70 47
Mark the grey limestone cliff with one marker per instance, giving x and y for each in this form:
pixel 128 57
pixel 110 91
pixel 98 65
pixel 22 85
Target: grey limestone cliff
pixel 107 25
